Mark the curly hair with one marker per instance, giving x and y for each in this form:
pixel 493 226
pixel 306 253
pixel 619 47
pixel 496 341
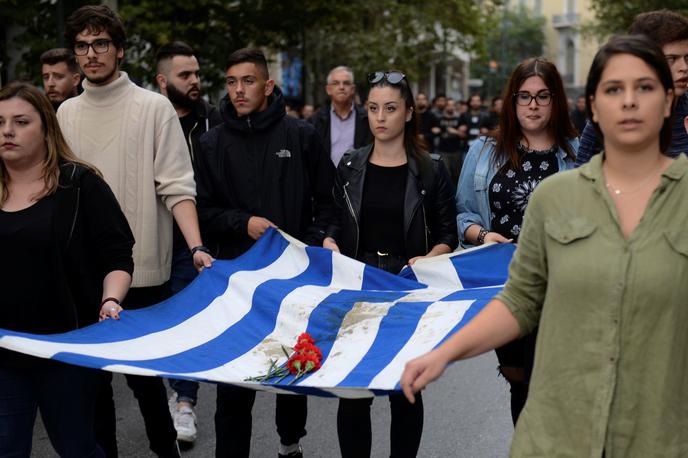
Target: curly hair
pixel 95 19
pixel 661 26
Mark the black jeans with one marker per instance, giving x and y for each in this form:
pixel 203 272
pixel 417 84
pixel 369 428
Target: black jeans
pixel 353 415
pixel 149 392
pixel 516 365
pixel 233 420
pixel 355 434
pixel 65 396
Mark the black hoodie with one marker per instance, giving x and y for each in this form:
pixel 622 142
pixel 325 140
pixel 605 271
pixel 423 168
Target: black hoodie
pixel 263 164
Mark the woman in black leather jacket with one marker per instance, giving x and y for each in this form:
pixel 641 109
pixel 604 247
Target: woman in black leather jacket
pixel 397 206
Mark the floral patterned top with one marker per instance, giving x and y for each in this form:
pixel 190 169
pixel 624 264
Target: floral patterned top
pixel 510 189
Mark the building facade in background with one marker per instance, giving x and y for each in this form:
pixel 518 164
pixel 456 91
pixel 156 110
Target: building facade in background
pixel 565 44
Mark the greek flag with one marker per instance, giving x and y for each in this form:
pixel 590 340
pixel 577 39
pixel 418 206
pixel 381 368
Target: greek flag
pixel 235 317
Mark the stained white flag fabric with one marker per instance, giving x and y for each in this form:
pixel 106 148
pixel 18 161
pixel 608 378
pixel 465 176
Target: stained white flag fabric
pixel 235 317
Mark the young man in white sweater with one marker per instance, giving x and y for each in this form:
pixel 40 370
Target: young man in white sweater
pixel 134 138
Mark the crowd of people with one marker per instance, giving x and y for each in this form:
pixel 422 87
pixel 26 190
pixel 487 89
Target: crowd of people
pixel 114 197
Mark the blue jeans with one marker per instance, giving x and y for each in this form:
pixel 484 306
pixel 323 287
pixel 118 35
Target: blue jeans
pixel 183 273
pixel 66 397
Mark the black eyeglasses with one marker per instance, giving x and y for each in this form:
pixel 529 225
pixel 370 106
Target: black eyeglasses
pixel 390 77
pixel 542 99
pixel 99 47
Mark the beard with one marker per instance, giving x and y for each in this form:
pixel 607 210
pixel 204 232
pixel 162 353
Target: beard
pixel 180 99
pixel 102 79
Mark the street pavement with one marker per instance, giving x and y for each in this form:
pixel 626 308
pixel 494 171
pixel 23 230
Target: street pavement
pixel 466 415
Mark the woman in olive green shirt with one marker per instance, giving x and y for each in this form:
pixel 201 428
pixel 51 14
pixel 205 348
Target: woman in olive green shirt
pixel 601 266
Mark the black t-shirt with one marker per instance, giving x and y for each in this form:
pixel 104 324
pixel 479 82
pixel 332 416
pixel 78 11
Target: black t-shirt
pixel 188 122
pixel 427 122
pixel 510 189
pixel 27 272
pixel 474 123
pixel 382 209
pixel 449 142
pixel 492 120
pixel 27 276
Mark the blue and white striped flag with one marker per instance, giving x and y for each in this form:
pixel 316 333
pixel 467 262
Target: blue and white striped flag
pixel 236 316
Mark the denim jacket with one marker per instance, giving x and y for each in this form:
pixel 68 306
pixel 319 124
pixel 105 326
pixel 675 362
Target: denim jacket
pixel 472 195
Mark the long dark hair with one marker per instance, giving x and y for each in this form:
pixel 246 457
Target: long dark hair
pixel 509 134
pixel 649 52
pixel 414 144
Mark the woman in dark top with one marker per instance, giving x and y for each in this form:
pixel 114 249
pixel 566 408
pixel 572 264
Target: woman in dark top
pixel 70 250
pixel 535 139
pixel 396 207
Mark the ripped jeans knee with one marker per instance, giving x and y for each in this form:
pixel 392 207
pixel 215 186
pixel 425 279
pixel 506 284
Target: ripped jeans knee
pixel 513 374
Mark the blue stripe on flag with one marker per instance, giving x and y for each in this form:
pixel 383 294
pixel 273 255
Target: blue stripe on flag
pixel 473 294
pixel 193 299
pixel 381 280
pixel 326 320
pixel 472 311
pixel 259 295
pixel 487 266
pixel 240 338
pixel 395 330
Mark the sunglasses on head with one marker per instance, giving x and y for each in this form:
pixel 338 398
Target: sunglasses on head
pixel 390 77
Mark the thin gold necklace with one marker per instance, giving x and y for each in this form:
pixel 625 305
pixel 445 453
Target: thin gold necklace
pixel 646 180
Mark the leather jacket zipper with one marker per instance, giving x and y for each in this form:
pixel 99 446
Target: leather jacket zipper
pixel 425 224
pixel 353 214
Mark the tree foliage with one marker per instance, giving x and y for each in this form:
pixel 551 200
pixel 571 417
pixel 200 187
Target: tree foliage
pixel 360 34
pixel 402 34
pixel 37 23
pixel 515 35
pixel 617 16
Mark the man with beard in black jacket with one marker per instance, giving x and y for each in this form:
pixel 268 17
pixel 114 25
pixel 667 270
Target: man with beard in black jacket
pixel 178 77
pixel 259 169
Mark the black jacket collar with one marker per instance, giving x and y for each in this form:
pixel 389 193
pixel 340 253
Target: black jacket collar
pixel 202 109
pixel 359 161
pixel 256 121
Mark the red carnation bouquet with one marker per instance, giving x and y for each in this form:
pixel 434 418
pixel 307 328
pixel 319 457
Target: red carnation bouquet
pixel 304 359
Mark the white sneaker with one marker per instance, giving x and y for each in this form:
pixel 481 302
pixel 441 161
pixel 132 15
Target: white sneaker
pixel 185 423
pixel 172 403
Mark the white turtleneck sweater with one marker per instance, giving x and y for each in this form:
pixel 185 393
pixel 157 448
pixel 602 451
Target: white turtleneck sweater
pixel 133 136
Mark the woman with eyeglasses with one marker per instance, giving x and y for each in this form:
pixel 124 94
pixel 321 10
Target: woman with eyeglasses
pixel 601 266
pixel 396 208
pixel 535 139
pixel 66 262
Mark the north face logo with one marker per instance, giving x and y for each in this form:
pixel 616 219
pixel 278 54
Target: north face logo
pixel 283 153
